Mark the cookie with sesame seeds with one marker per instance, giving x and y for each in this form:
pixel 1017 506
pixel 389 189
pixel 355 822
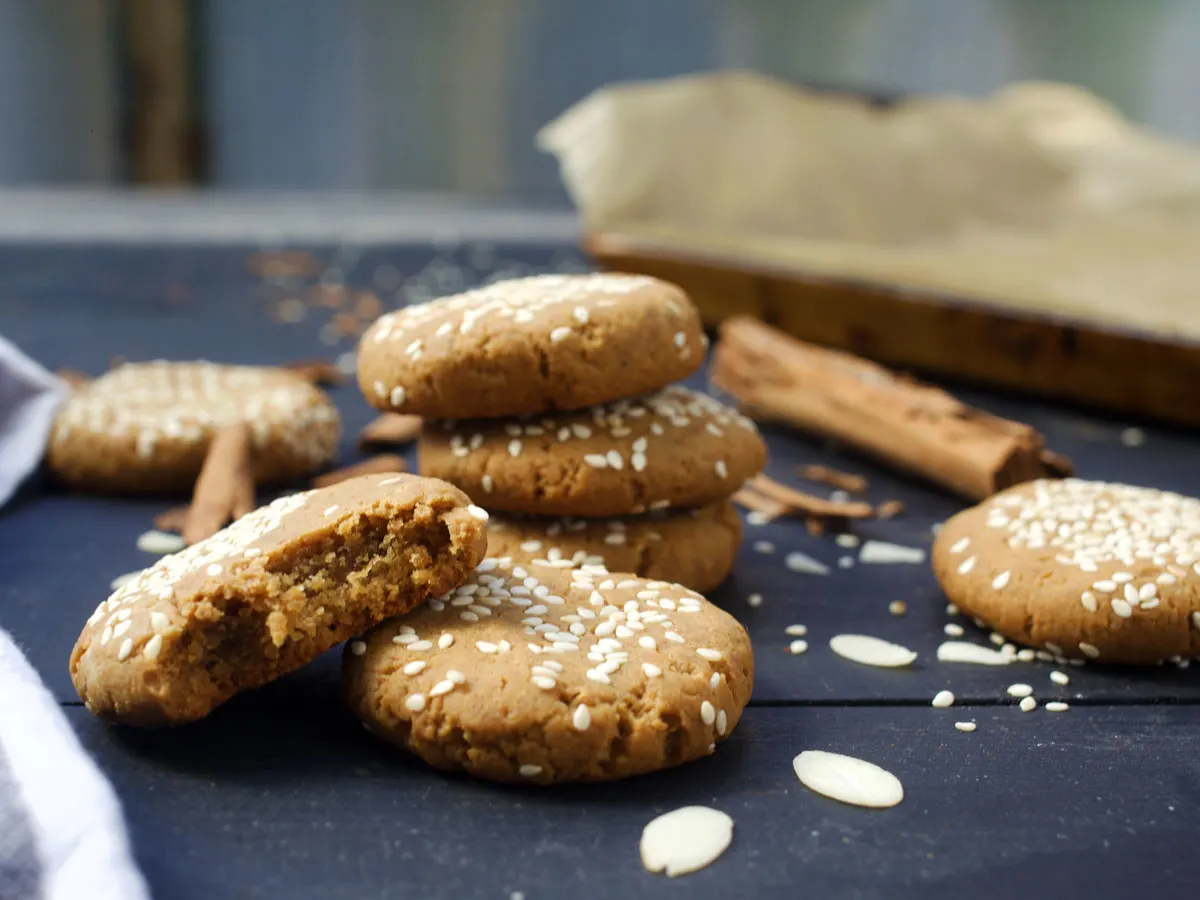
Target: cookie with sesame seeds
pixel 674 448
pixel 270 592
pixel 531 345
pixel 145 427
pixel 1083 569
pixel 532 673
pixel 694 547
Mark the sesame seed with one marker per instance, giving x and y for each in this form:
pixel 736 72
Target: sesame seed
pixel 647 642
pixel 486 647
pixel 967 565
pixel 596 460
pixel 153 647
pixel 478 512
pixel 707 713
pixel 960 545
pixel 214 569
pixel 953 630
pixel 529 771
pixel 582 718
pixel 1089 650
pixel 159 621
pixel 125 650
pixel 358 648
pixel 651 670
pixel 422 645
pixel 1057 706
pixel 487 484
pixel 796 630
pixel 1059 677
pixel 715 681
pixel 754 600
pixel 615 460
pixel 722 469
pixel 1028 704
pixel 1001 580
pixel 1019 690
pixel 415 667
pixel 598 676
pixel 560 334
pixel 416 702
pixel 942 699
pixel 897 607
pixel 965 727
pixel 797 647
pixel 514 448
pixel 397 396
pixel 545 682
pixel 444 686
pixel 1122 609
pixel 330 511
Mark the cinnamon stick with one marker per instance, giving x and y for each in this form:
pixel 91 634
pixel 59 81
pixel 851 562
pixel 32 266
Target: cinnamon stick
pixel 808 504
pixel 225 488
pixel 318 371
pixel 172 519
pixel 386 462
pixel 912 426
pixel 390 428
pixel 845 481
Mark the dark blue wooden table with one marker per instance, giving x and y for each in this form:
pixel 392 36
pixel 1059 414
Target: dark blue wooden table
pixel 281 794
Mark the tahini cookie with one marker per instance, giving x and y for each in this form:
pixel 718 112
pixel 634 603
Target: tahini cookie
pixel 541 674
pixel 694 547
pixel 1085 569
pixel 550 342
pixel 674 448
pixel 270 592
pixel 145 427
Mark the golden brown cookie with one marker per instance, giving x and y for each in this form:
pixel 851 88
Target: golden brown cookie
pixel 145 427
pixel 270 592
pixel 541 674
pixel 675 448
pixel 532 345
pixel 694 547
pixel 1084 569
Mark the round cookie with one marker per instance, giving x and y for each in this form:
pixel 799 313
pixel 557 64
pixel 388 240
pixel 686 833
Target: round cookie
pixel 145 427
pixel 1084 569
pixel 270 592
pixel 695 547
pixel 675 448
pixel 531 345
pixel 542 674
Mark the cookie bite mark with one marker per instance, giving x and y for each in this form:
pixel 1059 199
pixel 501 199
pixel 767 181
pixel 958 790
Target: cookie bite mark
pixel 531 345
pixel 674 448
pixel 1084 569
pixel 566 674
pixel 275 589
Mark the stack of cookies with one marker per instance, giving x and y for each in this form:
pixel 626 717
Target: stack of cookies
pixel 550 401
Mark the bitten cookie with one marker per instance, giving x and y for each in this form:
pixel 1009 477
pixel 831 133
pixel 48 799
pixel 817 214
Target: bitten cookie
pixel 270 592
pixel 145 427
pixel 695 547
pixel 1084 569
pixel 533 673
pixel 550 342
pixel 675 448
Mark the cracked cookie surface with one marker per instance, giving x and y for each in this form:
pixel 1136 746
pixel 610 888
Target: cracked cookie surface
pixel 1084 569
pixel 674 448
pixel 270 592
pixel 540 674
pixel 695 547
pixel 531 345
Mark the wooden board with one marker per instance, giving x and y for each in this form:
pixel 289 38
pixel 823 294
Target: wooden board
pixel 1139 374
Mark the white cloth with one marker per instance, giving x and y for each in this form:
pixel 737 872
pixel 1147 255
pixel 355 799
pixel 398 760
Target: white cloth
pixel 29 397
pixel 62 836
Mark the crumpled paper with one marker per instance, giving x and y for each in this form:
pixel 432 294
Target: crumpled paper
pixel 1040 196
pixel 29 398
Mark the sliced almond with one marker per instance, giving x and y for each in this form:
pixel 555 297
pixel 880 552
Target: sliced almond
pixel 848 779
pixel 685 840
pixel 871 651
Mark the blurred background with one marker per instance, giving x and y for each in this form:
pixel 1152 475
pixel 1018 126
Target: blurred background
pixel 446 95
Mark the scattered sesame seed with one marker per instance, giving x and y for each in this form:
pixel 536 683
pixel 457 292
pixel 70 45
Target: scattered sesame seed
pixel 765 547
pixel 754 600
pixel 943 699
pixel 416 702
pixel 153 647
pixel 709 654
pixel 1057 706
pixel 529 770
pixel 126 649
pixel 803 564
pixel 708 713
pixel 1028 704
pixel 358 648
pixel 965 727
pixel 846 540
pixel 1019 690
pixel 797 647
pixel 560 334
pixel 897 607
pixel 415 667
pixel 796 630
pixel 953 630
